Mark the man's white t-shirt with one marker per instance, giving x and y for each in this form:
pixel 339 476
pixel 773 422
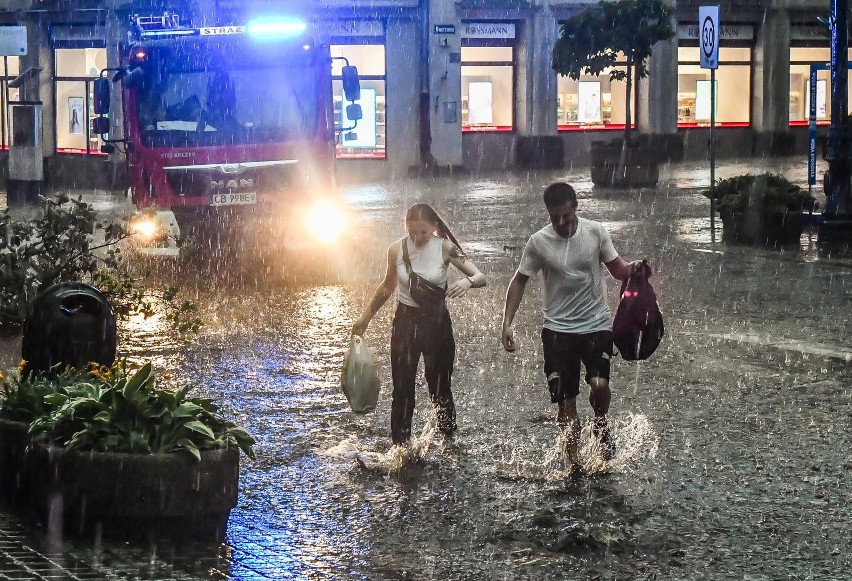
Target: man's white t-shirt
pixel 572 276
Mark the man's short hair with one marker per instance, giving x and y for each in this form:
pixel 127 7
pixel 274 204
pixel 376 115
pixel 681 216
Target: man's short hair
pixel 559 193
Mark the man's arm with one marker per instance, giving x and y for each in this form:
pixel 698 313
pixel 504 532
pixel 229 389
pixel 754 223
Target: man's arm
pixel 514 294
pixel 619 268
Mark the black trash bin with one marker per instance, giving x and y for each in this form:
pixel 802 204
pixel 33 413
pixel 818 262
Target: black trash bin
pixel 70 323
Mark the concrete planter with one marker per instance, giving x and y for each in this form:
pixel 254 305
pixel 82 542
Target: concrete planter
pixel 540 152
pixel 640 168
pixel 772 226
pixel 13 446
pixel 133 495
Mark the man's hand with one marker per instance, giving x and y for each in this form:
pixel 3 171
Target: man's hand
pixel 508 339
pixel 638 265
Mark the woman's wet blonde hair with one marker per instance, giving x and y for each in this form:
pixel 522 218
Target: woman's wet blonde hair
pixel 427 213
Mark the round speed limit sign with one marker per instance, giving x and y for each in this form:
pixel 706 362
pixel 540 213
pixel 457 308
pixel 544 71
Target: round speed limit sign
pixel 708 37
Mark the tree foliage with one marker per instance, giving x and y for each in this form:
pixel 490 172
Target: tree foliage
pixel 592 40
pixel 63 240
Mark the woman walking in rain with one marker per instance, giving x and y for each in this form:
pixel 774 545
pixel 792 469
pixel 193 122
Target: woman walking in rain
pixel 417 269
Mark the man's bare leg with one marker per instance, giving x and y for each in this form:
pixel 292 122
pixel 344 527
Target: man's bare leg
pixel 569 423
pixel 599 398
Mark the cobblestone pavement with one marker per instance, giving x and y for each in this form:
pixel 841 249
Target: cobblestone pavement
pixel 817 337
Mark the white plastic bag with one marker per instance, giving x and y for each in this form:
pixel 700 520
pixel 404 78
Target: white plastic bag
pixel 360 377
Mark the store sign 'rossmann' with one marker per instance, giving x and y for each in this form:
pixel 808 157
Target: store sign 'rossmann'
pixel 488 30
pixel 726 32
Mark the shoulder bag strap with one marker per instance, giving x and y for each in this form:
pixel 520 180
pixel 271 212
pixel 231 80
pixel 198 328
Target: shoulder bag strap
pixel 405 259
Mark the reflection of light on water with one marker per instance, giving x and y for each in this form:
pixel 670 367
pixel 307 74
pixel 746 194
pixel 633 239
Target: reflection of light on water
pixel 367 196
pixel 489 191
pixel 617 226
pixel 147 337
pixel 323 305
pixel 139 324
pixel 697 230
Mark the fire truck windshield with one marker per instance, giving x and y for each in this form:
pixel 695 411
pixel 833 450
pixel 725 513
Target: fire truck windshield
pixel 203 95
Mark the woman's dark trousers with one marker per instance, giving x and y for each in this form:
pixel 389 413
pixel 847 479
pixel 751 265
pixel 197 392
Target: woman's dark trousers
pixel 417 333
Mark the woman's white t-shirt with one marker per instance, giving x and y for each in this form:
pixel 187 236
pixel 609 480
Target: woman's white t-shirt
pixel 572 276
pixel 427 261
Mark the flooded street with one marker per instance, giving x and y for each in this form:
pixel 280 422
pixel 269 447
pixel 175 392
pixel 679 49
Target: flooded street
pixel 732 440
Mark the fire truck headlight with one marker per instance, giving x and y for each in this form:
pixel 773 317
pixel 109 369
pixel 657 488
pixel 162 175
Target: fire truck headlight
pixel 324 221
pixel 147 228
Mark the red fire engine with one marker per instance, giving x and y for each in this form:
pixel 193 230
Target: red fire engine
pixel 228 122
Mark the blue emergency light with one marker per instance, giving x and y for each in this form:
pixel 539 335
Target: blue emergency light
pixel 279 28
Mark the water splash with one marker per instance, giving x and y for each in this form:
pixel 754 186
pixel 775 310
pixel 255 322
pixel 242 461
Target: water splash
pixel 392 462
pixel 636 442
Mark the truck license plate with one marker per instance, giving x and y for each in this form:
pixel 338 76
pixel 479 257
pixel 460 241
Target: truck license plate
pixel 233 199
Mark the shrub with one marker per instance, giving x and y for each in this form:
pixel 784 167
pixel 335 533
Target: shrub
pixel 764 191
pixel 113 410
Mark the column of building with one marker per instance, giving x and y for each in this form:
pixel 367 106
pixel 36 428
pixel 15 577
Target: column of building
pixel 657 110
pixel 771 82
pixel 39 87
pixel 403 85
pixel 536 109
pixel 444 82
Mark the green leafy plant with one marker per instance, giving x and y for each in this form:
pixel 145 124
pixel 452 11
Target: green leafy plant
pixel 25 403
pixel 593 40
pixel 765 191
pixel 64 241
pixel 113 410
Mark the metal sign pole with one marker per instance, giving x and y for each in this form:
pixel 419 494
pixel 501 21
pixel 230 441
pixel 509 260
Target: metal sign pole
pixel 5 100
pixel 713 156
pixel 812 129
pixel 708 27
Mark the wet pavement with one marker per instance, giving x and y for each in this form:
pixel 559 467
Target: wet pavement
pixel 732 439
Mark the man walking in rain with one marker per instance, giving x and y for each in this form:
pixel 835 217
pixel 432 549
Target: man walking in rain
pixel 568 254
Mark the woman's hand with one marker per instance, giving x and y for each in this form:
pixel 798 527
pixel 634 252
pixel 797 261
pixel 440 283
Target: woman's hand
pixel 507 338
pixel 459 287
pixel 359 327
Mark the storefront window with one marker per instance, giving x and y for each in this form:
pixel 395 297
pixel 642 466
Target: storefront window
pixel 76 69
pixel 10 70
pixel 733 88
pixel 487 76
pixel 591 102
pixel 367 139
pixel 800 71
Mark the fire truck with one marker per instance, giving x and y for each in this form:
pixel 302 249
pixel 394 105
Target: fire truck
pixel 226 123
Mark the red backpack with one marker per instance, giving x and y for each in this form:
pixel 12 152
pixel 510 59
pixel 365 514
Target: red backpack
pixel 637 328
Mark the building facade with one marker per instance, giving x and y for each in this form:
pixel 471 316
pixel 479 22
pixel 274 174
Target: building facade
pixel 453 83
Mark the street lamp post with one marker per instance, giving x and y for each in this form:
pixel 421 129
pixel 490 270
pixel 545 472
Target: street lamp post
pixel 836 228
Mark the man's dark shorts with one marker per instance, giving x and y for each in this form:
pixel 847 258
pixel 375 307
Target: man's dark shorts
pixel 563 353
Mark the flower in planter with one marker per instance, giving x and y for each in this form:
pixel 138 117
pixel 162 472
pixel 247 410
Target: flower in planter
pixel 113 410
